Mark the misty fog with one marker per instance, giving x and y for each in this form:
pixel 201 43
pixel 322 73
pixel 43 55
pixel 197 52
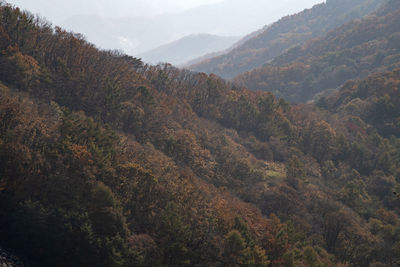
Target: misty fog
pixel 139 26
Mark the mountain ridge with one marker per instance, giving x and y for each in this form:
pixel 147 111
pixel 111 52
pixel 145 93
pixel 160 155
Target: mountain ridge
pixel 167 27
pixel 284 34
pixel 222 52
pixel 187 48
pixel 351 51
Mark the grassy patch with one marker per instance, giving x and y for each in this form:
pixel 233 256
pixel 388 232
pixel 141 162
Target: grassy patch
pixel 275 175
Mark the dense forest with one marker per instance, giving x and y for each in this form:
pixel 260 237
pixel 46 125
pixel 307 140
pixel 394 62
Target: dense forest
pixel 375 100
pixel 284 34
pixel 107 161
pixel 351 51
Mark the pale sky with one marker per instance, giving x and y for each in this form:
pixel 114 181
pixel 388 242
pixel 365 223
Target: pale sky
pixel 58 10
pixel 136 26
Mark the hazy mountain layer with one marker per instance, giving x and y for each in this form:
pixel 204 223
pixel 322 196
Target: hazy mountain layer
pixel 286 33
pixel 188 48
pixel 136 35
pixel 221 52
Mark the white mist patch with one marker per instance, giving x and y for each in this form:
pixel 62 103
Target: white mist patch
pixel 127 45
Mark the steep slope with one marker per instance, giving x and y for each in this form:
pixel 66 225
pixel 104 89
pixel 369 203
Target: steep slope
pixel 187 48
pixel 348 52
pixel 105 161
pixel 286 33
pixel 75 192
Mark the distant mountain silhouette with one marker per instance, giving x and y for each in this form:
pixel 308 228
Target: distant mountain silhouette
pixel 138 34
pixel 222 52
pixel 188 48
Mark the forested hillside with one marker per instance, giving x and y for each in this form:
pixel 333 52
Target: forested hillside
pixel 376 100
pixel 105 161
pixel 286 33
pixel 351 51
